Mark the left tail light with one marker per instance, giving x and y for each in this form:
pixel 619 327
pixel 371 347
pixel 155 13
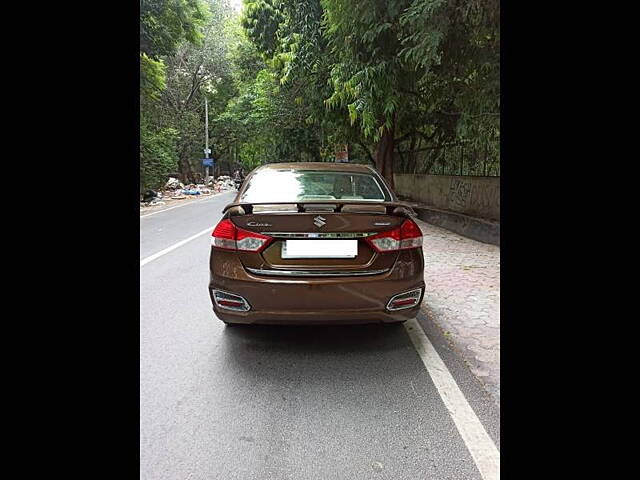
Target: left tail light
pixel 406 236
pixel 227 236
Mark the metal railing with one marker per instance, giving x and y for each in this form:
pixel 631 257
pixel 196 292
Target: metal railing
pixel 461 158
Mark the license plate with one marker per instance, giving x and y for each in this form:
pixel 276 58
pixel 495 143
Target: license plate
pixel 319 248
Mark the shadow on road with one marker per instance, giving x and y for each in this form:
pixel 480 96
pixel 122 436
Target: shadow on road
pixel 348 339
pixel 326 353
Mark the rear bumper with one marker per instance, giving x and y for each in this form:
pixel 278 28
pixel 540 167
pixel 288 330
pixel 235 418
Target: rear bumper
pixel 316 318
pixel 337 300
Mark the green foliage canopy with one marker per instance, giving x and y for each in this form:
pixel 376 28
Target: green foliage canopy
pixel 288 80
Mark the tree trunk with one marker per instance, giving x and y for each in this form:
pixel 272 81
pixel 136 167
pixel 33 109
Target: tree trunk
pixel 184 166
pixel 315 154
pixel 411 167
pixel 384 154
pixel 366 150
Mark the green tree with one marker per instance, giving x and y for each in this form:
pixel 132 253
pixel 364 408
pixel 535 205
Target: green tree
pixel 289 80
pixel 421 71
pixel 164 24
pixel 195 67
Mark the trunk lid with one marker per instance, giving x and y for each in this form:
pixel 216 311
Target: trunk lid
pixel 354 222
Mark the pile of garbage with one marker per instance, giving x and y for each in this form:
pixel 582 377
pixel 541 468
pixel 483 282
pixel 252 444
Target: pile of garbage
pixel 173 184
pixel 192 189
pixel 176 190
pixel 224 182
pixel 151 197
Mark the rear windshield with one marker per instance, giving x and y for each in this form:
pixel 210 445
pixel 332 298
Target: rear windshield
pixel 303 185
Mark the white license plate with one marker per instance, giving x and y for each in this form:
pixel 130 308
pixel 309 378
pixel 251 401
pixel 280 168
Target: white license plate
pixel 319 248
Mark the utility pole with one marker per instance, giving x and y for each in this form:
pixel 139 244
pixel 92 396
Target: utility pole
pixel 206 134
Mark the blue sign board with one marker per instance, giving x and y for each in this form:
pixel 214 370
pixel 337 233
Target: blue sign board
pixel 207 162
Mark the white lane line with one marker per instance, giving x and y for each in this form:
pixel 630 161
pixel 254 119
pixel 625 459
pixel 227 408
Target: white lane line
pixel 189 202
pixel 482 449
pixel 151 258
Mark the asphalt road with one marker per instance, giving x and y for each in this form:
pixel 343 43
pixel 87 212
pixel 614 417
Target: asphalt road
pixel 259 402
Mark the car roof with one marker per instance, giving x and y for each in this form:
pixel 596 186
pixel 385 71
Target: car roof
pixel 324 166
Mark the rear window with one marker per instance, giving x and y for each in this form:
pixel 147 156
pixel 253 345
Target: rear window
pixel 304 185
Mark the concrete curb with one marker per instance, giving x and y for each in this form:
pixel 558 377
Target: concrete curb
pixel 462 299
pixel 475 228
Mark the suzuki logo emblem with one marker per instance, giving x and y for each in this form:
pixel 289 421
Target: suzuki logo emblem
pixel 319 221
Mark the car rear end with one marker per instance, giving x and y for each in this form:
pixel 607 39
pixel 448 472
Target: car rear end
pixel 316 243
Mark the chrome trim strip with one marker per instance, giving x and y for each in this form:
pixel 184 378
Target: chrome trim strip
pixel 318 234
pixel 315 273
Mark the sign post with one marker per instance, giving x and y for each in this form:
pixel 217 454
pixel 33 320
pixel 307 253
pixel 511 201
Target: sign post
pixel 207 150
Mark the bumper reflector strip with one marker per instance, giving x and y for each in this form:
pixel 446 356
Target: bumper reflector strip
pixel 229 301
pixel 405 300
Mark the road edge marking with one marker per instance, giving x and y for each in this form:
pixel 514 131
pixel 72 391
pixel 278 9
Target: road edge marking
pixel 483 450
pixel 159 254
pixel 189 202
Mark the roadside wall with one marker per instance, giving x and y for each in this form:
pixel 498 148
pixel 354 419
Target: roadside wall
pixel 473 196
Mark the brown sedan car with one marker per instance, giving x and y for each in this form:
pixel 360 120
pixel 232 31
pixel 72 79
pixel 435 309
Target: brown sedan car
pixel 316 243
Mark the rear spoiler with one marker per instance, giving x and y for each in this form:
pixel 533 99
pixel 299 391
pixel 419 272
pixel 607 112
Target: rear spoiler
pixel 390 207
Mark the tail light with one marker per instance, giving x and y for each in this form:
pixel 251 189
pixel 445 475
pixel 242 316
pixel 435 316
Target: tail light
pixel 407 235
pixel 405 300
pixel 229 237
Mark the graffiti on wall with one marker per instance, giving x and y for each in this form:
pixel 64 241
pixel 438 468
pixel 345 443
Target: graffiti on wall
pixel 474 199
pixel 473 196
pixel 459 194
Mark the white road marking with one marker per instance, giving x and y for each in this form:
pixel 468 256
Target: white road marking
pixel 189 202
pixel 151 258
pixel 483 450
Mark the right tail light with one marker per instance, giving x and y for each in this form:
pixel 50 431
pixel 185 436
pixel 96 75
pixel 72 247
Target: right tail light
pixel 404 237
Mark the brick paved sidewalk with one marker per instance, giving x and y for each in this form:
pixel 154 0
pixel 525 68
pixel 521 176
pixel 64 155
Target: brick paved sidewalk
pixel 462 297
